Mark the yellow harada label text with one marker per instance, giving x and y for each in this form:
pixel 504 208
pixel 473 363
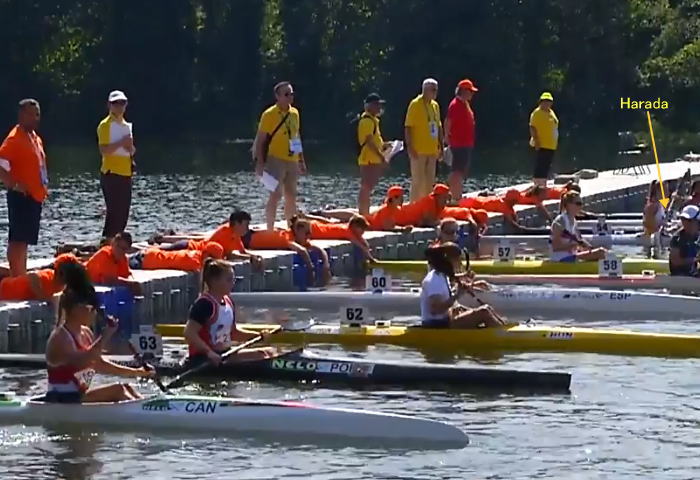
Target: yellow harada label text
pixel 629 104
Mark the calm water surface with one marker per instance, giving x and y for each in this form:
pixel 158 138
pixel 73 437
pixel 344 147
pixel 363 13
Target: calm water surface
pixel 627 418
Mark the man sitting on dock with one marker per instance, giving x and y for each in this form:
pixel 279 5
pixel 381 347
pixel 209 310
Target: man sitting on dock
pixel 110 266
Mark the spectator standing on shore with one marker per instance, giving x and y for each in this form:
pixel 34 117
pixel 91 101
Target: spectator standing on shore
pixel 116 143
pixel 371 147
pixel 279 153
pixel 23 172
pixel 424 139
pixel 460 133
pixel 544 137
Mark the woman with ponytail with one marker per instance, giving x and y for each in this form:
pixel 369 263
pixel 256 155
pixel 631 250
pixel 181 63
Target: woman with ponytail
pixel 211 325
pixel 74 355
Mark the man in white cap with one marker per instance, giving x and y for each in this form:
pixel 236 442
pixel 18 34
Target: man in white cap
pixel 116 143
pixel 683 259
pixel 424 138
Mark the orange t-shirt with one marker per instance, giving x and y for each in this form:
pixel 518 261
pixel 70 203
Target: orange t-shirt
pixel 271 239
pixel 225 237
pixel 19 288
pixel 185 260
pixel 413 213
pixel 555 193
pixel 383 215
pixel 458 213
pixel 103 267
pixel 25 153
pixel 490 204
pixel 330 231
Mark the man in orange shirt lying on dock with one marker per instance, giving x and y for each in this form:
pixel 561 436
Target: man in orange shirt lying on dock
pixel 381 219
pixel 40 284
pixel 351 231
pixel 499 204
pixel 154 258
pixel 426 211
pixel 231 236
pixel 110 265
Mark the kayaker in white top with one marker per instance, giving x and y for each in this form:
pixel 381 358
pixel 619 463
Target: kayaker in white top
pixel 438 299
pixel 654 213
pixel 565 237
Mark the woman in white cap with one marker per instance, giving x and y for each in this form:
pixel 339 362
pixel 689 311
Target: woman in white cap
pixel 116 142
pixel 544 137
pixel 683 259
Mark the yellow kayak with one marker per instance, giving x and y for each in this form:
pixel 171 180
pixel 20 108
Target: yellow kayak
pixel 524 337
pixel 533 267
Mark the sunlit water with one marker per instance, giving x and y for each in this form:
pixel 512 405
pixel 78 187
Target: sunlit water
pixel 626 418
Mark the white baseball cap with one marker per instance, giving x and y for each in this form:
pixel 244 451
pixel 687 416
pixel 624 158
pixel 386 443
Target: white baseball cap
pixel 429 81
pixel 116 95
pixel 691 212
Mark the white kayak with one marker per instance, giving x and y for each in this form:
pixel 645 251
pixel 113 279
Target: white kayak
pixel 649 281
pixel 512 299
pixel 226 415
pixel 542 242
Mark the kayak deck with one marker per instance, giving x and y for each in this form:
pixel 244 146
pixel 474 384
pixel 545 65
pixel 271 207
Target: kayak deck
pixel 517 338
pixel 305 366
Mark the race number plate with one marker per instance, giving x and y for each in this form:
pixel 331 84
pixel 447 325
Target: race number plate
pixel 610 266
pixel 378 281
pixel 503 251
pixel 147 342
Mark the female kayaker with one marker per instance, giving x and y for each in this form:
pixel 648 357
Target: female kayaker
pixel 685 248
pixel 447 231
pixel 438 299
pixel 565 237
pixel 74 355
pixel 654 213
pixel 211 325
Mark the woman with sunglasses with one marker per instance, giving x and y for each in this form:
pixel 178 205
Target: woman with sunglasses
pixel 654 213
pixel 211 326
pixel 565 237
pixel 441 288
pixel 685 244
pixel 74 355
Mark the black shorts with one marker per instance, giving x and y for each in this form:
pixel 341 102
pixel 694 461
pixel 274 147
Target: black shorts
pixel 461 158
pixel 24 215
pixel 63 397
pixel 543 162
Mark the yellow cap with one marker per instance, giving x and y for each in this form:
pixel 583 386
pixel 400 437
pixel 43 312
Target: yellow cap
pixel 546 96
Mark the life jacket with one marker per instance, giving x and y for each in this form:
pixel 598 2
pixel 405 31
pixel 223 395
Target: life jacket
pixel 69 378
pixel 216 333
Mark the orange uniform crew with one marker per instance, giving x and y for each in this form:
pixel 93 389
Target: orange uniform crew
pixel 38 285
pixel 184 260
pixel 425 211
pixel 110 265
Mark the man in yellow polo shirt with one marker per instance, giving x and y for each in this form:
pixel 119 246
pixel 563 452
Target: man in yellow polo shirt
pixel 544 137
pixel 116 143
pixel 279 154
pixel 424 137
pixel 371 145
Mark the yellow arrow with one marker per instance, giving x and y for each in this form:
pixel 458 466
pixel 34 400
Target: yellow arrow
pixel 664 201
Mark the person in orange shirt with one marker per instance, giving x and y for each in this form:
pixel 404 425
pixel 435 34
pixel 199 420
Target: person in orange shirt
pixel 298 239
pixel 232 236
pixel 110 265
pixel 185 260
pixel 381 219
pixel 352 231
pixel 426 211
pixel 535 195
pixel 23 172
pixel 499 204
pixel 40 284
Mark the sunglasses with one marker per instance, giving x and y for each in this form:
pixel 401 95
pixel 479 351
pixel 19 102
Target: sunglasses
pixel 289 94
pixel 118 102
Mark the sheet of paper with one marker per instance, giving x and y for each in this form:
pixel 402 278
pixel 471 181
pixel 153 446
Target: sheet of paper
pixel 394 147
pixel 269 182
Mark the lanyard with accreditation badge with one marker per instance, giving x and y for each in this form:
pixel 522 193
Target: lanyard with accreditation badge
pixel 432 123
pixel 295 146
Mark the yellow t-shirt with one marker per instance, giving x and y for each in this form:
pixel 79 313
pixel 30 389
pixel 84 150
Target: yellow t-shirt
pixel 366 126
pixel 280 146
pixel 425 122
pixel 547 125
pixel 109 131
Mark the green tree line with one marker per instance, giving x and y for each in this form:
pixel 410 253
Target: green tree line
pixel 198 69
